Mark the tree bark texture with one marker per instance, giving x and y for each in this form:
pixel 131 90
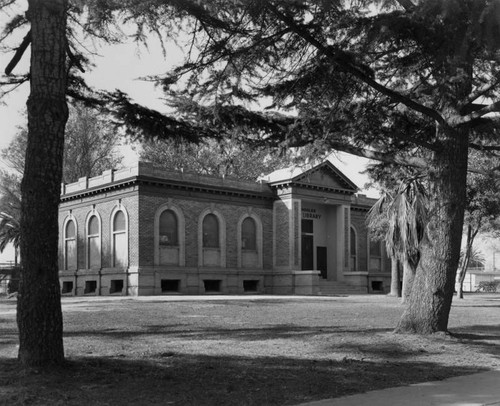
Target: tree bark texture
pixel 408 276
pixel 429 304
pixel 39 315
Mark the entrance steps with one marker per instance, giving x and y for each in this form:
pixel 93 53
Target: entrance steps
pixel 340 288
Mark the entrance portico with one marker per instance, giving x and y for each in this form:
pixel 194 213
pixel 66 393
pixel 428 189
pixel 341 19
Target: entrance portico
pixel 312 220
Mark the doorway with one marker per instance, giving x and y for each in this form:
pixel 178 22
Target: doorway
pixel 321 261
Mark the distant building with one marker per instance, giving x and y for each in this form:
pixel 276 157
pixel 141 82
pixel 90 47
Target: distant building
pixel 148 231
pixel 489 271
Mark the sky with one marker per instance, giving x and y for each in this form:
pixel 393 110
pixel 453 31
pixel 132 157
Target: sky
pixel 121 67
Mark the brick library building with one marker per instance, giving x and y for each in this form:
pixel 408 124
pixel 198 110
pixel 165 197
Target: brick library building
pixel 149 231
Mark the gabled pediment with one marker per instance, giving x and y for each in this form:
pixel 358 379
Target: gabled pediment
pixel 323 176
pixel 326 175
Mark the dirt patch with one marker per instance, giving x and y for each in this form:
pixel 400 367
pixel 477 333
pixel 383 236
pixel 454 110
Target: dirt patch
pixel 247 352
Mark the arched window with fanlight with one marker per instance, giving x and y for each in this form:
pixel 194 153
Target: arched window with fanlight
pixel 249 229
pixel 211 231
pixel 249 234
pixel 93 241
pixel 169 235
pixel 70 245
pixel 119 235
pixel 169 229
pixel 212 239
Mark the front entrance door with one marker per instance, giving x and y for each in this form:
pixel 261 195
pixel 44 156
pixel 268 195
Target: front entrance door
pixel 321 260
pixel 307 245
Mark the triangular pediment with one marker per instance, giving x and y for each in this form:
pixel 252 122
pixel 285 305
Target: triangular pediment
pixel 326 175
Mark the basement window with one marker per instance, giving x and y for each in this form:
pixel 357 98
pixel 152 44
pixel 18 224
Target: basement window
pixel 116 286
pixel 67 287
pixel 377 286
pixel 212 285
pixel 250 285
pixel 90 287
pixel 170 285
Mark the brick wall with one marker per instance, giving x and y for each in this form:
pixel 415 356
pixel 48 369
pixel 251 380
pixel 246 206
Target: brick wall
pixel 282 234
pixel 150 203
pixel 103 206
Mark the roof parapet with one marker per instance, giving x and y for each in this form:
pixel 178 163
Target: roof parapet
pixel 147 169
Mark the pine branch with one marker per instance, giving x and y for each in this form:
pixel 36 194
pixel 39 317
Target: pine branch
pixel 491 108
pixel 480 92
pixel 19 53
pixel 345 61
pixel 480 147
pixel 74 60
pixel 407 5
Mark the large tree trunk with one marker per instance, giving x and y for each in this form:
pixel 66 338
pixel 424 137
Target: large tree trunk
pixel 430 300
pixel 39 315
pixel 395 280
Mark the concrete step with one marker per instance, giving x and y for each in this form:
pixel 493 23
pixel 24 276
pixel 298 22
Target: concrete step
pixel 340 288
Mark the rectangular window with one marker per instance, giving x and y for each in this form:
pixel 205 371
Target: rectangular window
pixel 251 286
pixel 307 227
pixel 212 285
pixel 90 287
pixel 170 285
pixel 67 287
pixel 116 286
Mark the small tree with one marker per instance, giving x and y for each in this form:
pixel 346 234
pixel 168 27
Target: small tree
pixel 405 213
pixel 90 144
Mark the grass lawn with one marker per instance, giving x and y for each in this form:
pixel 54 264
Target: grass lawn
pixel 250 351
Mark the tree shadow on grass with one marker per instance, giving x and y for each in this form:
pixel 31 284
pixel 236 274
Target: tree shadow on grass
pixel 272 332
pixel 484 337
pixel 180 379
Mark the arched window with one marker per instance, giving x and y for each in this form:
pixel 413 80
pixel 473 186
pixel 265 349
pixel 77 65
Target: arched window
pixel 249 244
pixel 169 230
pixel 70 246
pixel 375 255
pixel 249 234
pixel 211 239
pixel 169 235
pixel 93 242
pixel 120 240
pixel 211 231
pixel 354 251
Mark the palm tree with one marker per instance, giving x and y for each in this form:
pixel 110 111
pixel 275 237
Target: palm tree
pixel 10 213
pixel 405 215
pixel 10 232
